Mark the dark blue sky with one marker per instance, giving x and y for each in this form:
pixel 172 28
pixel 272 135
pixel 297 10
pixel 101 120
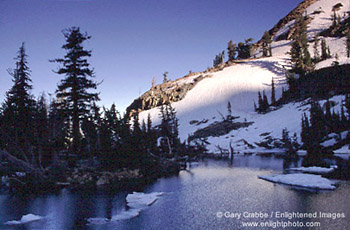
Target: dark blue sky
pixel 132 41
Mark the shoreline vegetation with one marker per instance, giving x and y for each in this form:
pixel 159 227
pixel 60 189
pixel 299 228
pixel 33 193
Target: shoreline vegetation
pixel 84 176
pixel 88 176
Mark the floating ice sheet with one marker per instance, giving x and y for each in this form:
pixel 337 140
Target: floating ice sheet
pixel 25 219
pixel 302 180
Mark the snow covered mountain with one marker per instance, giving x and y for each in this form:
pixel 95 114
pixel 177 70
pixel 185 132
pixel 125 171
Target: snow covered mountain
pixel 205 102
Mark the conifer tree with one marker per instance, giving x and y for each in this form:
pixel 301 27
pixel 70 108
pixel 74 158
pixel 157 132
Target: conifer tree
pixel 58 126
pixel 90 126
pixel 219 59
pixel 305 130
pixel 229 111
pixel 347 102
pixel 328 115
pixel 266 44
pixel 165 77
pixel 149 123
pixel 334 18
pixel 244 49
pixel 169 130
pixel 273 92
pixel 317 121
pixel 260 102
pixel 114 119
pixel 265 105
pixel 143 127
pixel 107 156
pixel 42 131
pixel 290 144
pixel 313 133
pixel 325 53
pixel 342 120
pixel 300 55
pixel 74 88
pixel 151 136
pixel 231 50
pixel 138 141
pixel 136 126
pixel 316 51
pixel 19 109
pixel 348 43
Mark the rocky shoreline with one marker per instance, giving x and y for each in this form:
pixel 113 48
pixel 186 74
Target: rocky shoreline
pixel 82 178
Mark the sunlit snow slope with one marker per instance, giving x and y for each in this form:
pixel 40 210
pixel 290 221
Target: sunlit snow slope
pixel 239 84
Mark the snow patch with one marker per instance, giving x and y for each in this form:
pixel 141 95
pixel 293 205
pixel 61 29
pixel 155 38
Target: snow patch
pixel 136 202
pixel 123 215
pixel 97 221
pixel 314 169
pixel 329 142
pixel 344 149
pixel 20 174
pixel 301 180
pixel 25 219
pixel 126 214
pixel 140 200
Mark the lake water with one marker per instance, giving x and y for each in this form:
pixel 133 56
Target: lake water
pixel 191 200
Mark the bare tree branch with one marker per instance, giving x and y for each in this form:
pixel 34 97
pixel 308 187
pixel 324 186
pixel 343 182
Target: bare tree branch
pixel 27 167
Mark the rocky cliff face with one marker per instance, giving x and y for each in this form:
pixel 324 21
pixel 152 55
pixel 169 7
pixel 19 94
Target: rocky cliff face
pixel 168 92
pixel 172 91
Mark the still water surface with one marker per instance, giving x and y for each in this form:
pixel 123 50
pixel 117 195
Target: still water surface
pixel 191 201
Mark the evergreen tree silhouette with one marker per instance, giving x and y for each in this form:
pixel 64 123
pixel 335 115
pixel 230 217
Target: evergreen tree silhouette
pixel 74 88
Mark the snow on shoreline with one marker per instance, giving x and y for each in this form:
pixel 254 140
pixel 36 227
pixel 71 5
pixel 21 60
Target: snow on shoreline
pixel 301 180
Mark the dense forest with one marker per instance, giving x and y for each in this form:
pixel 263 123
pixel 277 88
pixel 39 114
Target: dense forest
pixel 48 138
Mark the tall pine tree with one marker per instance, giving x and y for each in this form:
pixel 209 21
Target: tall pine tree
pixel 19 109
pixel 300 56
pixel 74 88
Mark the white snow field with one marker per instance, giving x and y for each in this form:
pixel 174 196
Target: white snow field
pixel 301 180
pixel 25 219
pixel 240 83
